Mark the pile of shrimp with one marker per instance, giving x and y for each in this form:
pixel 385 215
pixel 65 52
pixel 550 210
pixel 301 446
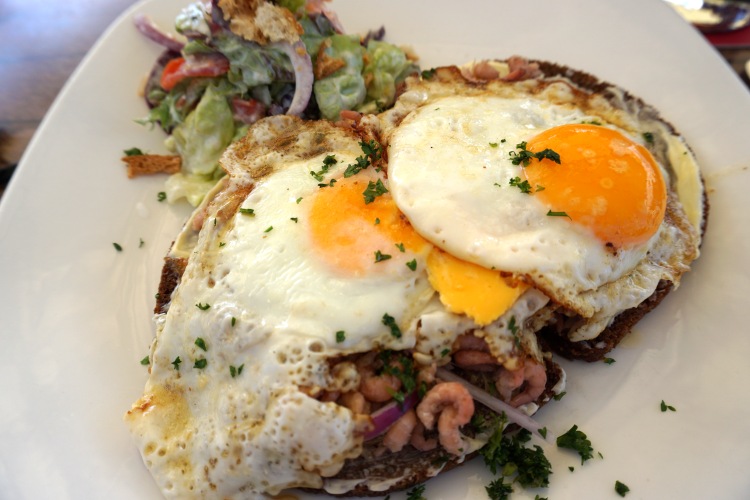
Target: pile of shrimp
pixel 445 406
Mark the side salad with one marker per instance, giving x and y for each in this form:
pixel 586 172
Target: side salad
pixel 211 83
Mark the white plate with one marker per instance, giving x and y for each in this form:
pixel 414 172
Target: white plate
pixel 75 314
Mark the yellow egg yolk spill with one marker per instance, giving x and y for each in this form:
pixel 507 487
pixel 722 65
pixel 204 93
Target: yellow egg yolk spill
pixel 466 288
pixel 604 181
pixel 347 232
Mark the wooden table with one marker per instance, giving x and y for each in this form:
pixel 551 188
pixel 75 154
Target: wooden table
pixel 42 42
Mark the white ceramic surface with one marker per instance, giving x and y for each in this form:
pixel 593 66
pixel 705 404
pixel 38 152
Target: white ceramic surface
pixel 75 314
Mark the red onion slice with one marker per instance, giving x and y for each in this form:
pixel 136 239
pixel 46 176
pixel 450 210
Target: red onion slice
pixel 514 415
pixel 303 75
pixel 148 28
pixel 387 415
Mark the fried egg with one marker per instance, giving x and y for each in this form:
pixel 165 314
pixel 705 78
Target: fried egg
pixel 551 191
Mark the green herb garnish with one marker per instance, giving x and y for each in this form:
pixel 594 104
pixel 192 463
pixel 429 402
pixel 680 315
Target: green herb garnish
pixel 133 152
pixel 380 257
pixel 161 196
pixel 412 264
pixel 247 211
pixel 550 213
pixel 201 343
pixel 145 361
pixel 200 363
pixel 390 322
pixel 373 190
pixel 176 363
pixel 621 488
pixel 576 440
pixel 117 246
pixel 340 336
pixel 664 407
pixel 203 307
pixel 609 361
pixel 416 493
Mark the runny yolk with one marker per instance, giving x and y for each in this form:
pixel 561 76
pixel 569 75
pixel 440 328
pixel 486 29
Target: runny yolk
pixel 466 288
pixel 346 232
pixel 604 181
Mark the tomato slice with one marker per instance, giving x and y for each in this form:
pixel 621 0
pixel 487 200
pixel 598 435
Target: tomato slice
pixel 180 68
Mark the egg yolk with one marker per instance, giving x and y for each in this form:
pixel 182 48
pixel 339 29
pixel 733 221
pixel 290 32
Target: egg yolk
pixel 347 233
pixel 465 288
pixel 604 181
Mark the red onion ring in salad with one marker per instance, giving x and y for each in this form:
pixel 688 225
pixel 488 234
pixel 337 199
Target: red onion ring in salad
pixel 148 28
pixel 303 74
pixel 514 415
pixel 387 415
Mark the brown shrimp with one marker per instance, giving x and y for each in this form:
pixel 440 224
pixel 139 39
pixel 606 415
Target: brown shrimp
pixel 399 434
pixel 531 380
pixel 452 406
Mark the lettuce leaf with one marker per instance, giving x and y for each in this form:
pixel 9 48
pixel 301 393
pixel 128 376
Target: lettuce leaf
pixel 204 135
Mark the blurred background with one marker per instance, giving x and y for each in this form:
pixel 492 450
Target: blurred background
pixel 42 42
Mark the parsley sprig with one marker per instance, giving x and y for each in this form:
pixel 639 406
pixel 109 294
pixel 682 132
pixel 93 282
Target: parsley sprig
pixel 371 150
pixel 524 156
pixel 577 441
pixel 509 457
pixel 373 190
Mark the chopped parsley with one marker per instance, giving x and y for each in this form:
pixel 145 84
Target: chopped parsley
pixel 373 190
pixel 609 361
pixel 524 186
pixel 247 211
pixel 514 330
pixel 176 363
pixel 380 257
pixel 295 219
pixel 133 152
pixel 328 161
pixel 412 264
pixel 145 361
pixel 550 213
pixel 499 490
pixel 576 440
pixel 329 184
pixel 621 488
pixel 445 352
pixel 200 363
pixel 558 397
pixel 236 370
pixel 340 336
pixel 161 196
pixel 117 246
pixel 268 229
pixel 203 307
pixel 664 407
pixel 428 73
pixel 390 322
pixel 401 247
pixel 371 150
pixel 234 320
pixel 201 343
pixel 493 144
pixel 648 137
pixel 524 156
pixel 416 493
pixel 509 457
pixel 543 432
pixel 298 200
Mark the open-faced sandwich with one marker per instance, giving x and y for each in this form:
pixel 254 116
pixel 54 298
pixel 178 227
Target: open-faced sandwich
pixel 352 299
